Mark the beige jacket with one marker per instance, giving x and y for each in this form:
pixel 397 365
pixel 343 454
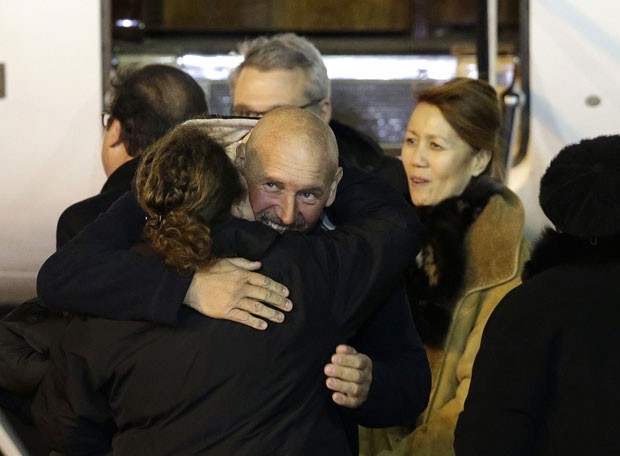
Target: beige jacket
pixel 495 254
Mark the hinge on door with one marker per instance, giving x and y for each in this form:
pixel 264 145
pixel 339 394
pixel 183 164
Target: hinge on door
pixel 2 91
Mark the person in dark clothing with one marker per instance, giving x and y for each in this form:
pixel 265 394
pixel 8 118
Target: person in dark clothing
pixel 145 104
pixel 288 70
pixel 74 218
pixel 546 377
pixel 216 387
pixel 287 193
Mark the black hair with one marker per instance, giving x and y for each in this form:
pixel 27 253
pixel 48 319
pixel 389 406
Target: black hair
pixel 151 100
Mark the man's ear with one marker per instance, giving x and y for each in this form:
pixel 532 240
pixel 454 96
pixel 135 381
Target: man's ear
pixel 333 187
pixel 240 158
pixel 480 162
pixel 114 133
pixel 325 110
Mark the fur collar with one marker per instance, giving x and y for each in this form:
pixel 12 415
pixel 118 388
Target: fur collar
pixel 554 248
pixel 446 226
pixel 434 283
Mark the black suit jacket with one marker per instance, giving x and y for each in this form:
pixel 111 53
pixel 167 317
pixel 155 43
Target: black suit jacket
pixel 78 215
pixel 360 150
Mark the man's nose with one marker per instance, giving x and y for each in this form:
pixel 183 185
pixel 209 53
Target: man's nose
pixel 289 210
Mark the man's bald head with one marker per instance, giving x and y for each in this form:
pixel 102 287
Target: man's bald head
pixel 290 125
pixel 291 167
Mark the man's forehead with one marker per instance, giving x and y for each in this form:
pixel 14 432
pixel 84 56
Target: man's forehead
pixel 290 169
pixel 268 89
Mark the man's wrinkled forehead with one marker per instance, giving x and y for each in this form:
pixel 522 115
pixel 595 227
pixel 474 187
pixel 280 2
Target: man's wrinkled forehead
pixel 286 163
pixel 297 135
pixel 264 91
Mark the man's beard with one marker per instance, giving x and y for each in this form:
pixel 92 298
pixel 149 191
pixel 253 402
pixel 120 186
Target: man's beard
pixel 274 222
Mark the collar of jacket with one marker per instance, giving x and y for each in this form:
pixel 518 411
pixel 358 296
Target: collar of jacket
pixel 473 240
pixel 493 242
pixel 121 178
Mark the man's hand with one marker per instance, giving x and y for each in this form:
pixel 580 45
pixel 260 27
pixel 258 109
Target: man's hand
pixel 349 375
pixel 229 290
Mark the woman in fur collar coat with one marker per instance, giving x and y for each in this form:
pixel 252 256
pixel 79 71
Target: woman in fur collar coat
pixel 473 254
pixel 546 378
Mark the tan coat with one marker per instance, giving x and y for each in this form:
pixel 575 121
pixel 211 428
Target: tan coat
pixel 495 254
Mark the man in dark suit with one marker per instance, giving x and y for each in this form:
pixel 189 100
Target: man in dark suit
pixel 145 104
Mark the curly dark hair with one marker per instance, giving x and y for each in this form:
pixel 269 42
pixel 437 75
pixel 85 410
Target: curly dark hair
pixel 186 184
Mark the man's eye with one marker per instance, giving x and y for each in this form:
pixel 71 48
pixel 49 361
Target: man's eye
pixel 309 197
pixel 247 113
pixel 411 141
pixel 250 114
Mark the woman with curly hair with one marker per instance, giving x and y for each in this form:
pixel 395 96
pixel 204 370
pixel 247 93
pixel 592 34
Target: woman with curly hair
pixel 186 184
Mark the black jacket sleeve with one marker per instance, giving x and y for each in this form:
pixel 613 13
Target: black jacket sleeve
pixel 401 378
pixel 26 335
pixel 96 273
pixel 376 238
pixel 401 375
pixel 71 409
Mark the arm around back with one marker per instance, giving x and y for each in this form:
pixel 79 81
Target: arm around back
pixel 401 376
pixel 97 274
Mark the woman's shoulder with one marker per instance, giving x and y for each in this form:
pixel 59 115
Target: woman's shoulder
pixel 495 242
pixel 243 238
pixel 506 203
pixel 503 215
pixel 511 198
pixel 500 223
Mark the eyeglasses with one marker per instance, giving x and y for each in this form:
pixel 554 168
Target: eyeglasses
pixel 249 113
pixel 105 119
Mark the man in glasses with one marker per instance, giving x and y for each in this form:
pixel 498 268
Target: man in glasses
pixel 145 103
pixel 288 70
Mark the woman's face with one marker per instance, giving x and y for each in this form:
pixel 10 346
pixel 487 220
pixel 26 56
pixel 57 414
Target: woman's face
pixel 438 163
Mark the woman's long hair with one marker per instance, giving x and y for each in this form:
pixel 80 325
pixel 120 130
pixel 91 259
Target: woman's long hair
pixel 186 184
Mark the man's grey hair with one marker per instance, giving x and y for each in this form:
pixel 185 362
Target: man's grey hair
pixel 285 51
